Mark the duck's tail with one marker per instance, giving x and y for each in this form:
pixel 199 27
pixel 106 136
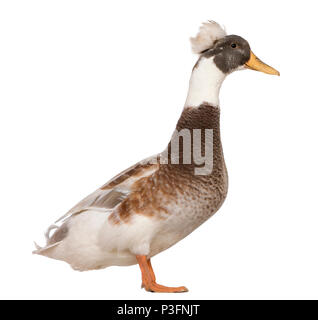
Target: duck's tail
pixel 43 250
pixel 50 243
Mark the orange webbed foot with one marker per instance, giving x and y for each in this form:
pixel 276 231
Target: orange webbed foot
pixel 155 287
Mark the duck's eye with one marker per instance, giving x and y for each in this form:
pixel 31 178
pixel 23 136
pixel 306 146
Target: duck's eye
pixel 233 45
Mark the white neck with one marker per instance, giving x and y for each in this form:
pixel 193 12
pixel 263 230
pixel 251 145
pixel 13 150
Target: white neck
pixel 205 83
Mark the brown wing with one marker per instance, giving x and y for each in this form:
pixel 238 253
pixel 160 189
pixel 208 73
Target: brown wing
pixel 116 190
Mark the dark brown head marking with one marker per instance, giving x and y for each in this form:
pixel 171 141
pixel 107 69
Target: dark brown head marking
pixel 229 53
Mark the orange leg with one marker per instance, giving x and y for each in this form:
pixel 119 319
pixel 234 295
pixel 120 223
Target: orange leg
pixel 152 274
pixel 149 279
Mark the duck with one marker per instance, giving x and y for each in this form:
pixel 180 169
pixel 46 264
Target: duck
pixel 160 200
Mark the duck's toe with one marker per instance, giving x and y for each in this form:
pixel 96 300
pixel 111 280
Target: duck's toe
pixel 155 287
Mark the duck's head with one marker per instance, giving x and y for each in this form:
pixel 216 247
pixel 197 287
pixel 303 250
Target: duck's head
pixel 228 52
pixel 219 55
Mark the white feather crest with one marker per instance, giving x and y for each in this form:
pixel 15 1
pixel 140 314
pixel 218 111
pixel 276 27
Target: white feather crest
pixel 208 33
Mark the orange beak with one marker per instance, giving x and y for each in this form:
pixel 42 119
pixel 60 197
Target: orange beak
pixel 256 64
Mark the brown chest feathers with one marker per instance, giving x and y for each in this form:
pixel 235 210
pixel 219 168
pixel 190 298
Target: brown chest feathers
pixel 176 185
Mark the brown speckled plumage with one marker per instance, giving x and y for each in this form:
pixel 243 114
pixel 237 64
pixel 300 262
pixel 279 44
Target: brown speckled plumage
pixel 176 185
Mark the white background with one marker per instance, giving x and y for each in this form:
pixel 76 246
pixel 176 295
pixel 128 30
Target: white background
pixel 88 88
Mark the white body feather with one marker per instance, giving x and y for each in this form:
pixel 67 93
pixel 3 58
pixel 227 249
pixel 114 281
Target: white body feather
pixel 93 242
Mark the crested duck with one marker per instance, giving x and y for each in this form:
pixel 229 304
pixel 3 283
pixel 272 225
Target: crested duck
pixel 157 202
